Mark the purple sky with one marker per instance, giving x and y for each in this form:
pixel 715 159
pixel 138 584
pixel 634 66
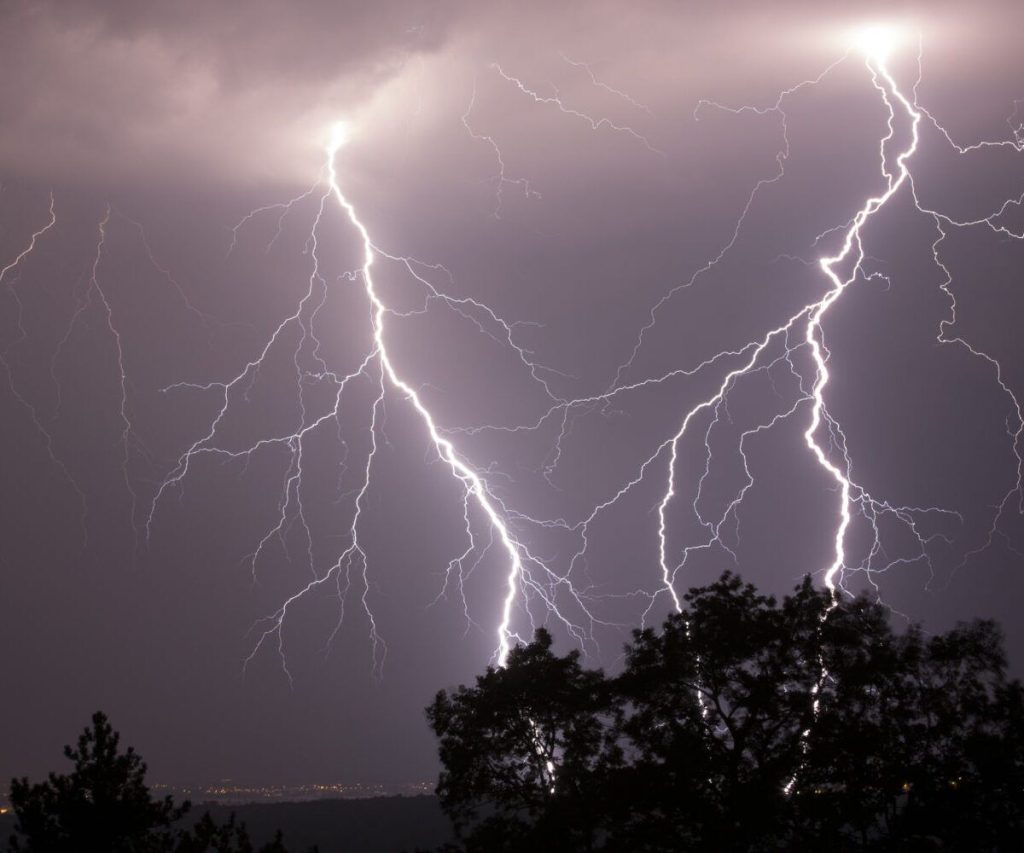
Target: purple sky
pixel 561 178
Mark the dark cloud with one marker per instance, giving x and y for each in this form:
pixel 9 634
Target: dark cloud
pixel 115 88
pixel 146 91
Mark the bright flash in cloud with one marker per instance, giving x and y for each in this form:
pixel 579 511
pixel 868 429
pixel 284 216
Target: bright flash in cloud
pixel 878 41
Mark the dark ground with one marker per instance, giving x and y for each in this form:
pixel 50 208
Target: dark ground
pixel 379 825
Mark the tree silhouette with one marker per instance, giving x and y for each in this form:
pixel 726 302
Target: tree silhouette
pixel 714 708
pixel 926 735
pixel 744 724
pixel 207 836
pixel 104 806
pixel 501 740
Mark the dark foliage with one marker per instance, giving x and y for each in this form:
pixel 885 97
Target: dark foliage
pixel 501 740
pixel 745 724
pixel 104 806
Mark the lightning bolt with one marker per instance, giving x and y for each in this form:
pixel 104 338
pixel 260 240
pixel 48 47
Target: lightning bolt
pixel 528 574
pixel 96 287
pixel 852 247
pixel 474 485
pixel 32 410
pixel 556 101
pixel 793 357
pixel 501 179
pixel 600 84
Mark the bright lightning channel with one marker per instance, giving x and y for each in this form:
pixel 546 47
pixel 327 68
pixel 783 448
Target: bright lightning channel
pixel 528 575
pixel 878 46
pixel 470 479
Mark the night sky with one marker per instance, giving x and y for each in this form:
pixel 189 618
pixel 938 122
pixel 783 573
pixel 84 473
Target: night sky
pixel 586 217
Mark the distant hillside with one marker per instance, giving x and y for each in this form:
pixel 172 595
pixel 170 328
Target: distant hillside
pixel 379 825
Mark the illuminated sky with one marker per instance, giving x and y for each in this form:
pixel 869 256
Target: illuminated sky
pixel 563 204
